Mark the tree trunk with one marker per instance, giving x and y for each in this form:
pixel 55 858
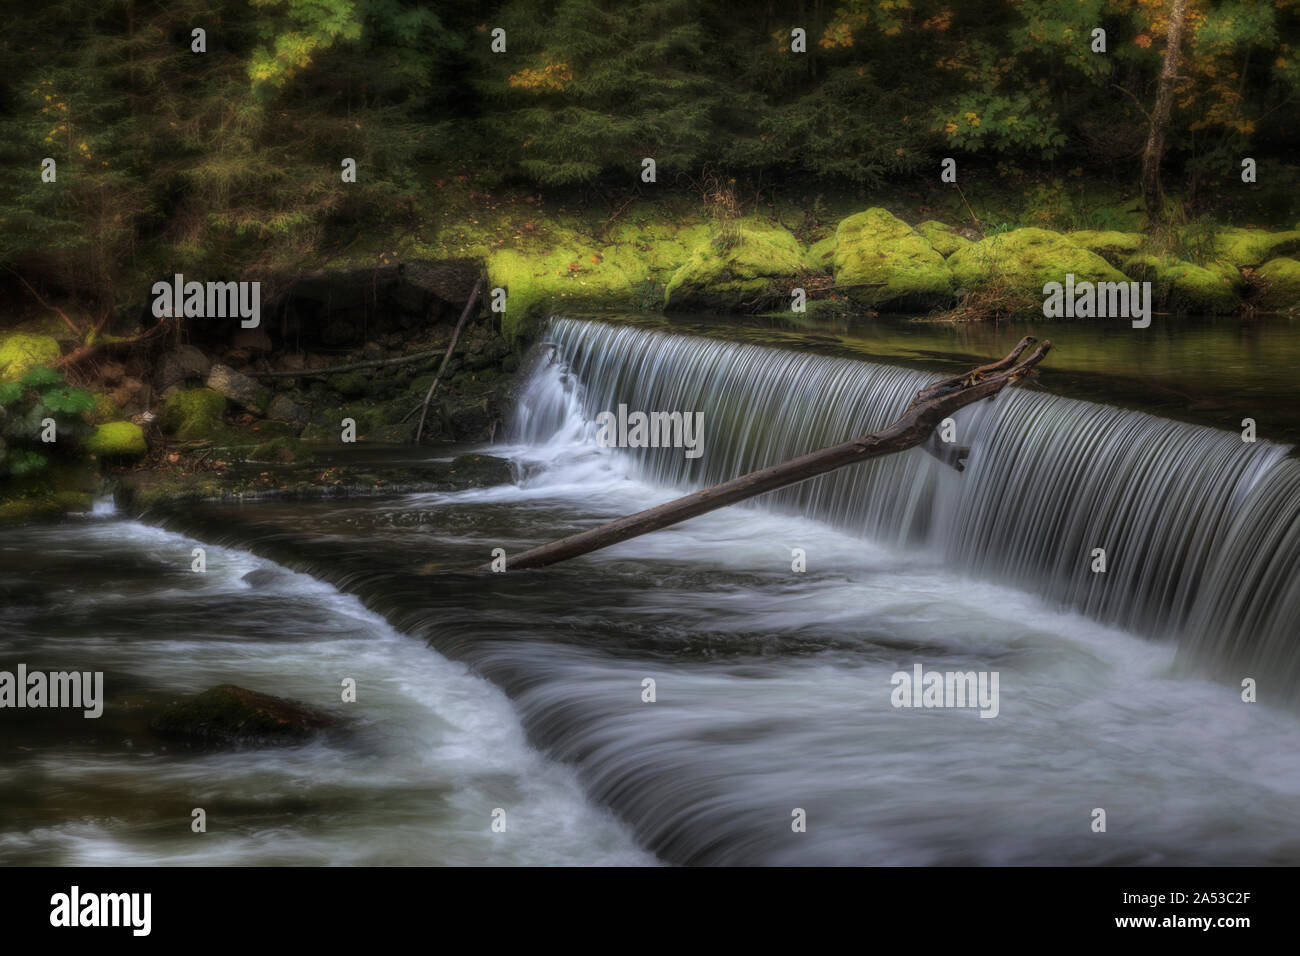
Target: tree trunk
pixel 926 411
pixel 1155 148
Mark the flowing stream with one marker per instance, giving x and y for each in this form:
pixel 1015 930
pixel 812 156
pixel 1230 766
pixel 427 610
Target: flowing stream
pixel 524 691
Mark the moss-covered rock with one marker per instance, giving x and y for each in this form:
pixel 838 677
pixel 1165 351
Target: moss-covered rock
pixel 479 471
pixel 1112 246
pixel 195 414
pixel 1247 248
pixel 1179 286
pixel 1281 279
pixel 750 275
pixel 905 272
pixel 945 239
pixel 118 440
pixel 820 256
pixel 282 451
pixel 104 410
pixel 20 353
pixel 1025 260
pixel 228 716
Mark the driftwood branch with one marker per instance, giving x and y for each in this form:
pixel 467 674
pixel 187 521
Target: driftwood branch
pixel 926 411
pixel 84 352
pixel 464 317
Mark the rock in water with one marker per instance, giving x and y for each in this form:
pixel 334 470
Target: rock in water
pixel 229 716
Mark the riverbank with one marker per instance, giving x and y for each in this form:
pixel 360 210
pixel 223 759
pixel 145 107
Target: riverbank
pixel 216 410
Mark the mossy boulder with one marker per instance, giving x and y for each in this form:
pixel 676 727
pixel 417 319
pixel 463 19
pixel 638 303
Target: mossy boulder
pixel 1281 285
pixel 118 440
pixel 1025 260
pixel 1179 286
pixel 945 239
pixel 478 471
pixel 906 272
pixel 104 410
pixel 195 414
pixel 820 256
pixel 1247 248
pixel 284 451
pixel 1112 246
pixel 20 353
pixel 229 716
pixel 50 506
pixel 750 275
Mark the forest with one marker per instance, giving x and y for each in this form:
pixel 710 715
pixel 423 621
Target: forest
pixel 540 432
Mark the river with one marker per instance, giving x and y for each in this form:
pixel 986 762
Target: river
pixel 524 691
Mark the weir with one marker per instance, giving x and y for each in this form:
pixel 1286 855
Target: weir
pixel 1201 530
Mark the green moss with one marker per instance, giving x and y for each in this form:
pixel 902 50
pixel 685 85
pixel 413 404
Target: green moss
pixel 1024 260
pixel 1112 246
pixel 1281 285
pixel 24 510
pixel 877 247
pixel 1245 248
pixel 746 277
pixel 283 451
pixel 945 239
pixel 20 353
pixel 195 414
pixel 229 715
pixel 104 410
pixel 351 384
pixel 820 256
pixel 118 440
pixel 1184 287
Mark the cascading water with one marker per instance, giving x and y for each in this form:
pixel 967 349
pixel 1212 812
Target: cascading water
pixel 774 689
pixel 1201 530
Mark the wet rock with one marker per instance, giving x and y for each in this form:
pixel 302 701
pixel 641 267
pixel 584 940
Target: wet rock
pixel 479 471
pixel 261 577
pixel 471 422
pixel 285 409
pixel 187 365
pixel 230 716
pixel 239 388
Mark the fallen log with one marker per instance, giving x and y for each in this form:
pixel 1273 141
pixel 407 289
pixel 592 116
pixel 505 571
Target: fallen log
pixel 926 411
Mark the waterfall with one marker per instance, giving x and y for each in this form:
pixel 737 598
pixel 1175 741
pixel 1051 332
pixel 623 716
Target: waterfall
pixel 1201 531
